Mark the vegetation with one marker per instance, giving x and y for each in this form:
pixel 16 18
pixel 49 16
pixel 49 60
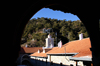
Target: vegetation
pixel 66 30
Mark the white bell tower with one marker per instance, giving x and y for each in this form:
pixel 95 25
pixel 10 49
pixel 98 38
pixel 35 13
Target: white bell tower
pixel 49 42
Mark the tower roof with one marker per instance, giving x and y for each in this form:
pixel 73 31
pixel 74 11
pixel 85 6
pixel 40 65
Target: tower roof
pixel 49 36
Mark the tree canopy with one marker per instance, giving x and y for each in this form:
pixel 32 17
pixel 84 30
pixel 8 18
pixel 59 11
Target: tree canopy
pixel 66 30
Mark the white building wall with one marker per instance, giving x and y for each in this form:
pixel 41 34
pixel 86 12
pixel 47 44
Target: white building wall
pixel 80 63
pixel 49 58
pixel 60 59
pixel 38 58
pixel 73 62
pixel 32 57
pixel 65 61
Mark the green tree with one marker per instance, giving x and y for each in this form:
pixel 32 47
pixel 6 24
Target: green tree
pixel 86 34
pixel 62 23
pixel 47 25
pixel 76 26
pixel 43 36
pixel 39 25
pixel 55 25
pixel 71 36
pixel 63 30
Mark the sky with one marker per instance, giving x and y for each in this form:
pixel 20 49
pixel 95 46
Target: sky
pixel 49 13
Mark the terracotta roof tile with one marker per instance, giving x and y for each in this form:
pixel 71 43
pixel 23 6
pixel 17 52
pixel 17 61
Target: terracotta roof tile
pixel 82 47
pixel 46 50
pixel 41 54
pixel 29 49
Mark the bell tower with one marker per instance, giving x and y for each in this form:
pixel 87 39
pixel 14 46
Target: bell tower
pixel 49 42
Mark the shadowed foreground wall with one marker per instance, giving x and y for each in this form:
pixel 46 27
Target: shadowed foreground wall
pixel 17 13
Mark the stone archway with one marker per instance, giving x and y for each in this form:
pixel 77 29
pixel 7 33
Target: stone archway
pixel 25 10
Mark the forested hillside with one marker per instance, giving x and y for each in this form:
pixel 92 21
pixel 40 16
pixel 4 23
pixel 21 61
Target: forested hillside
pixel 66 31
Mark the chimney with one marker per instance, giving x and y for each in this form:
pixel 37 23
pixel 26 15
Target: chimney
pixel 43 50
pixel 81 36
pixel 60 44
pixel 49 36
pixel 26 45
pixel 38 51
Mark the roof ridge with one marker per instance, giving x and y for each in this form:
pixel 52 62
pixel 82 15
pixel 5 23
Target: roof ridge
pixel 74 41
pixel 79 40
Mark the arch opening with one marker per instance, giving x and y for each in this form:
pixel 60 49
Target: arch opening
pixel 47 22
pixel 22 12
pixel 40 18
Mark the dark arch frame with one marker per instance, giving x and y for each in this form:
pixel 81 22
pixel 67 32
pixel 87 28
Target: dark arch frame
pixel 29 8
pixel 24 62
pixel 25 56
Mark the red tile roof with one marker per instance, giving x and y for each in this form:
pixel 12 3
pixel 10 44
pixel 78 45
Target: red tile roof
pixel 46 50
pixel 41 54
pixel 82 47
pixel 29 49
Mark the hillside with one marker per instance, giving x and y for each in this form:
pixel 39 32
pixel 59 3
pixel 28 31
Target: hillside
pixel 39 28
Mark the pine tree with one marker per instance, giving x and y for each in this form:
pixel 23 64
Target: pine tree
pixel 66 30
pixel 71 36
